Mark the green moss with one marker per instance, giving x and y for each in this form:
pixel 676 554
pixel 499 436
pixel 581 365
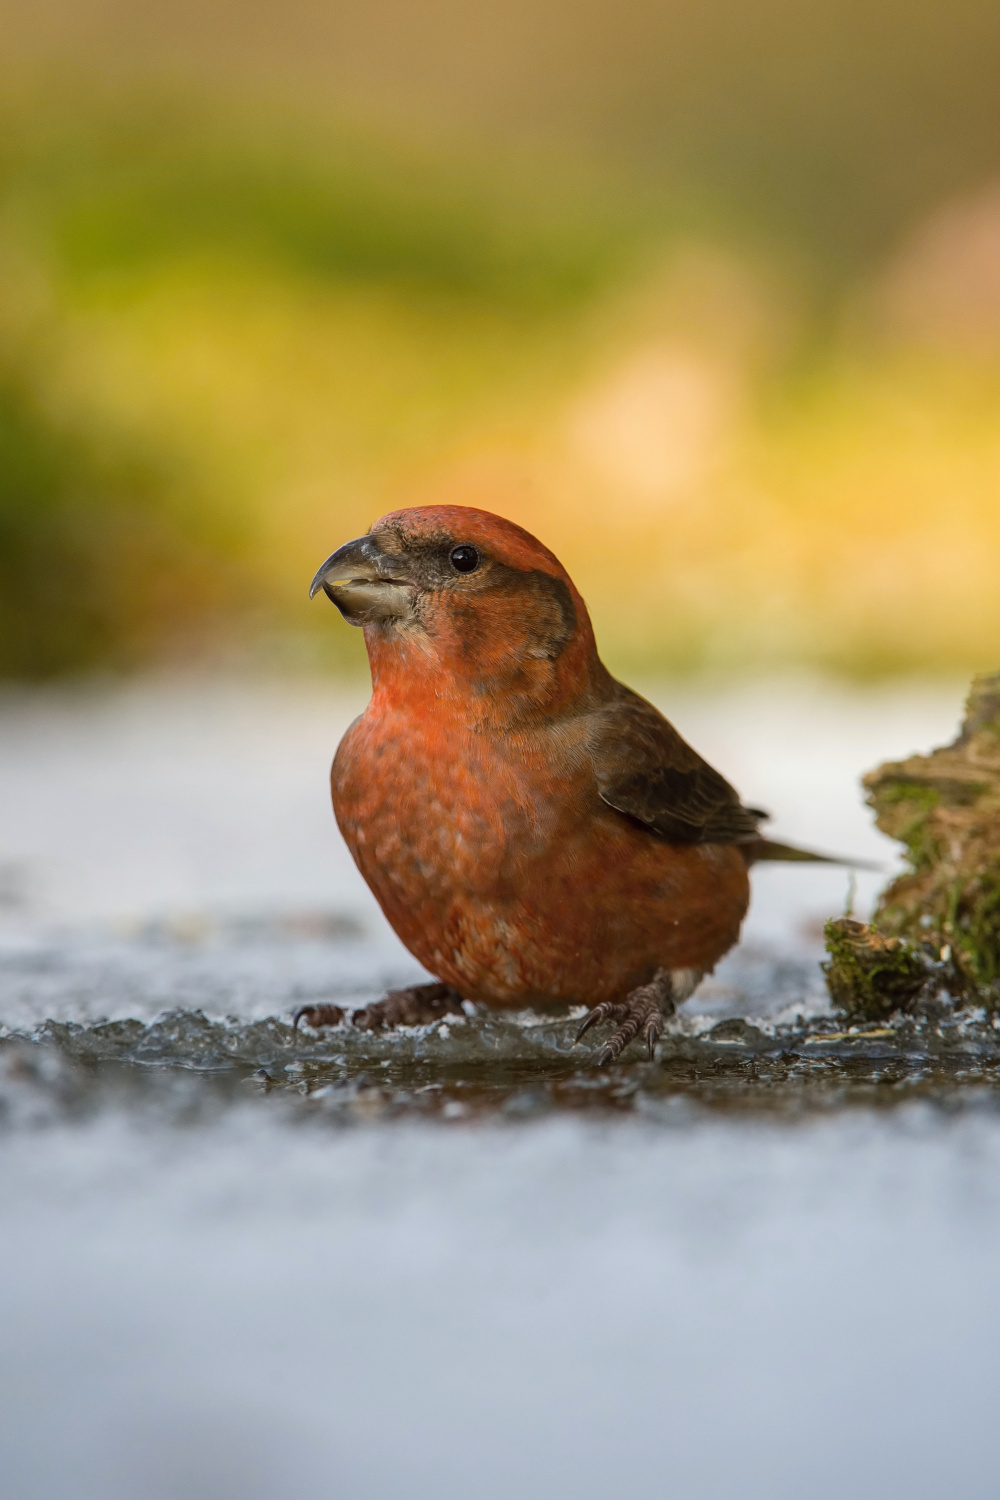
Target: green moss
pixel 911 807
pixel 924 797
pixel 868 975
pixel 945 807
pixel 978 931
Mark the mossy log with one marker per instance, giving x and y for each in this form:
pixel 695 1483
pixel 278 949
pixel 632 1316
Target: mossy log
pixel 945 807
pixel 870 976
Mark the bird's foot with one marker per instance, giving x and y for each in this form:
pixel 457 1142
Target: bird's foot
pixel 318 1015
pixel 644 1010
pixel 415 1006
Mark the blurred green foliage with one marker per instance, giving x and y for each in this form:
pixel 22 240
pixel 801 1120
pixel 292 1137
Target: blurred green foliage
pixel 119 184
pixel 233 330
pixel 101 559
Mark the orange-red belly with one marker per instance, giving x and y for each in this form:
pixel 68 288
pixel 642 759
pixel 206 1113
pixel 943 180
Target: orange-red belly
pixel 501 870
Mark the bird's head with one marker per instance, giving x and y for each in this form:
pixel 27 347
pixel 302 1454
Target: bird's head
pixel 452 598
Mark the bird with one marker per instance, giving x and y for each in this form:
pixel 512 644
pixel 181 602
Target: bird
pixel 534 831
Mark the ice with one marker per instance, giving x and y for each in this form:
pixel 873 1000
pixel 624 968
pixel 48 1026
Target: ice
pixel 244 1260
pixel 699 1308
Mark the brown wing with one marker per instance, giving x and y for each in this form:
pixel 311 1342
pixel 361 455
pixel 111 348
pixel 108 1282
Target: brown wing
pixel 647 771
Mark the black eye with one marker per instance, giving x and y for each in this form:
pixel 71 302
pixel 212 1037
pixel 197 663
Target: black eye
pixel 464 559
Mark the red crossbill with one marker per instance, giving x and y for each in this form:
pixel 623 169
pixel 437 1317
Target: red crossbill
pixel 533 830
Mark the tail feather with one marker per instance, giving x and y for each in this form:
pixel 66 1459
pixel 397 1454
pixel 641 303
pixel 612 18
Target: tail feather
pixel 756 850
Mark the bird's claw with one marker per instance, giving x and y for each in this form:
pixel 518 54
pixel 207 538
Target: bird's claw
pixel 615 1045
pixel 645 1010
pixel 606 1011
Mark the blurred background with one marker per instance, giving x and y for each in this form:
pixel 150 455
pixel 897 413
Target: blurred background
pixel 705 294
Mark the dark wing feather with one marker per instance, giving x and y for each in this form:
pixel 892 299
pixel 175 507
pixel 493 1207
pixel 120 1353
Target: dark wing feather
pixel 647 771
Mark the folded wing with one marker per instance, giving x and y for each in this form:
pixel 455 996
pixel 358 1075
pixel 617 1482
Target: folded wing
pixel 646 770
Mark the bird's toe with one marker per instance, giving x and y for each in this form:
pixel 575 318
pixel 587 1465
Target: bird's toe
pixel 606 1011
pixel 645 1011
pixel 416 1006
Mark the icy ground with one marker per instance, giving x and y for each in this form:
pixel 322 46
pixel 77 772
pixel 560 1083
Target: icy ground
pixel 243 1261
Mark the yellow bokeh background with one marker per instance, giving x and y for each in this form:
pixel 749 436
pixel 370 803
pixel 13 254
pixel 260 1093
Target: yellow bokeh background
pixel 249 303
